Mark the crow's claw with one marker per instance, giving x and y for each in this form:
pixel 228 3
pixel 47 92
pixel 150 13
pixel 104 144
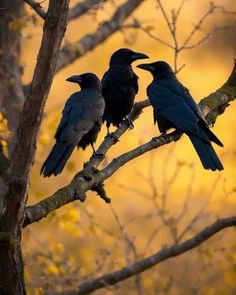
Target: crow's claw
pixel 100 156
pixel 113 136
pixel 87 175
pixel 106 199
pixel 129 123
pixel 163 135
pixel 155 138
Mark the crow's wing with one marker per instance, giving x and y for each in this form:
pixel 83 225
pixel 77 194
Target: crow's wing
pixel 72 102
pixel 174 108
pixel 79 116
pixel 105 82
pixel 184 119
pixel 191 102
pixel 175 87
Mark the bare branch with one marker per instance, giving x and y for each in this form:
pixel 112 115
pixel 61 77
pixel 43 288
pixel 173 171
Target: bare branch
pixel 37 8
pixel 197 27
pixel 147 31
pixel 179 9
pixel 212 106
pixel 165 15
pixel 73 51
pixel 83 7
pixel 208 36
pixel 146 263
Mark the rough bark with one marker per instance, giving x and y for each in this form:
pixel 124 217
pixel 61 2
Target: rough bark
pixel 212 106
pixel 11 218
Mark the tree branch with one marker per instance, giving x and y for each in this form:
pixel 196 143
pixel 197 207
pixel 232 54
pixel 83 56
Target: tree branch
pixel 212 106
pixel 37 8
pixel 75 12
pixel 83 7
pixel 146 263
pixel 71 52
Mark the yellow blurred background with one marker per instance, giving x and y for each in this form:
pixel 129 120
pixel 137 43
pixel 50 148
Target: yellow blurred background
pixel 88 239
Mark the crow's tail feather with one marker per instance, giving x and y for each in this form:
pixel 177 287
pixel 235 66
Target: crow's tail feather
pixel 57 159
pixel 206 154
pixel 212 137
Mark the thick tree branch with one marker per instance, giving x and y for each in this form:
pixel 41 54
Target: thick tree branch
pixel 37 8
pixel 71 52
pixel 146 263
pixel 83 7
pixel 212 106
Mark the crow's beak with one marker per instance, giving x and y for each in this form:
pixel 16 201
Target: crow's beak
pixel 138 55
pixel 74 79
pixel 146 67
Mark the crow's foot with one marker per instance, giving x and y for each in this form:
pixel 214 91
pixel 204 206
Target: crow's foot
pixel 129 123
pixel 100 156
pixel 113 136
pixel 164 135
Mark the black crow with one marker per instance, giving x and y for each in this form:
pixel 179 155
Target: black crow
pixel 174 107
pixel 119 86
pixel 80 123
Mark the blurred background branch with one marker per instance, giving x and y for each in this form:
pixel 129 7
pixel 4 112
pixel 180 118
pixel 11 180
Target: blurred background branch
pixel 144 264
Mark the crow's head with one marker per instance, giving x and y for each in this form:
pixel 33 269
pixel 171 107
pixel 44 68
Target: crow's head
pixel 159 69
pixel 87 80
pixel 126 56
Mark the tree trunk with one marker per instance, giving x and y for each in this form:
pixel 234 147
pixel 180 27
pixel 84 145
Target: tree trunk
pixel 11 101
pixel 11 266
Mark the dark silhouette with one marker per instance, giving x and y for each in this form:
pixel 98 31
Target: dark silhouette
pixel 119 86
pixel 80 123
pixel 174 107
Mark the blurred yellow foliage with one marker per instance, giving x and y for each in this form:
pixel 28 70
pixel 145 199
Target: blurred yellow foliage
pixel 148 281
pixel 59 248
pixel 52 270
pixel 69 222
pixel 17 24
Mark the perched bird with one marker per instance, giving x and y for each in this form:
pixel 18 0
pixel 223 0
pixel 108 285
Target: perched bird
pixel 119 86
pixel 80 123
pixel 174 107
